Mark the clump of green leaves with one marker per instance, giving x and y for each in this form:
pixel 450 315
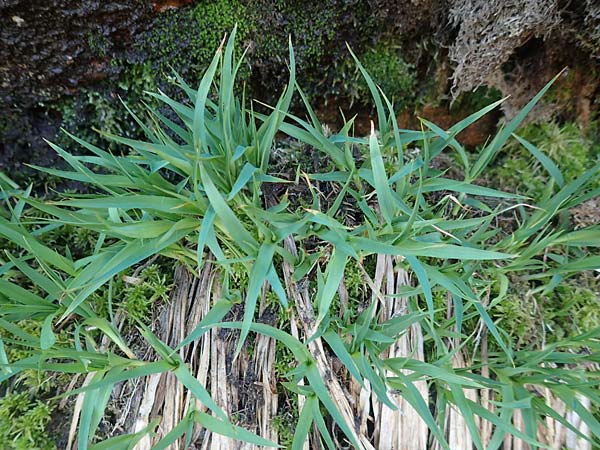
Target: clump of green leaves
pixel 200 186
pixel 23 423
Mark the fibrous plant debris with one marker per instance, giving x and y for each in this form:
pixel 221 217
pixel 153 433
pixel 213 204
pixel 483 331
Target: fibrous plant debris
pixel 489 32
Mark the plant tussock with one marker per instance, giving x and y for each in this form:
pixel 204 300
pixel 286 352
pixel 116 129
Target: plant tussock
pixel 388 332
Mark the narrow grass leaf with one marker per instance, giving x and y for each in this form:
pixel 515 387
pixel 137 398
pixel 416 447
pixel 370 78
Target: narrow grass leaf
pixel 216 313
pixel 382 117
pixel 199 126
pixel 258 273
pixel 127 441
pixel 337 345
pixel 304 424
pixel 546 162
pixel 498 142
pixel 321 391
pixel 189 381
pixel 382 186
pixel 423 278
pixel 47 337
pixel 333 278
pixel 173 435
pixel 225 428
pixel 245 175
pixel 230 222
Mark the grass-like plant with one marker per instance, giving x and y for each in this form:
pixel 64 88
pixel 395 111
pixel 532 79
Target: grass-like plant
pixel 420 357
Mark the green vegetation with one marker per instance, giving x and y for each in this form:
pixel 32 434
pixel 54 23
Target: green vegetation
pixel 391 72
pixel 105 108
pixel 184 39
pixel 520 171
pixel 477 99
pixel 535 319
pixel 135 294
pixel 23 423
pixel 426 262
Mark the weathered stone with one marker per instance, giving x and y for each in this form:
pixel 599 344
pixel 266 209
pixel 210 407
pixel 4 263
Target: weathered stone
pixel 50 48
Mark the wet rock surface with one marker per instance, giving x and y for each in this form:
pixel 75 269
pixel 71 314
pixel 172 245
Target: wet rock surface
pixel 52 48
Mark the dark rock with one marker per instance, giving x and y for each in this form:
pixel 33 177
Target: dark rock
pixel 51 48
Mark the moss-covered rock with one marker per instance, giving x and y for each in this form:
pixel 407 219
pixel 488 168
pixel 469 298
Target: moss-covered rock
pixel 53 48
pixel 387 67
pixel 185 39
pixel 69 62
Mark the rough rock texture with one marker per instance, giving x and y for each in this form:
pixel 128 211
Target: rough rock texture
pixel 489 32
pixel 517 46
pixel 50 51
pixel 414 18
pixel 49 48
pixel 55 47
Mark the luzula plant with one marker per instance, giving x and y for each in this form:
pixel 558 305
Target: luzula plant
pixel 417 363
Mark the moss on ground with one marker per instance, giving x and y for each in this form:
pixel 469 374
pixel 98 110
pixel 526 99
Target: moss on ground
pixel 534 320
pixel 518 171
pixel 135 293
pixel 23 423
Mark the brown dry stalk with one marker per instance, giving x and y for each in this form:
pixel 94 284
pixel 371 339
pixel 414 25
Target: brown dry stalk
pixel 76 412
pixel 231 382
pixel 210 359
pixel 456 430
pixel 458 434
pixel 296 334
pixel 322 360
pixel 403 428
pixel 163 396
pixel 572 441
pixel 485 394
pixel 71 442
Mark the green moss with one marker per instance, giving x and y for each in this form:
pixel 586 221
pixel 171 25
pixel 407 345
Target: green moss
pixel 522 318
pixel 520 172
pixel 287 415
pixel 285 426
pixel 185 39
pixel 476 100
pixel 534 319
pixel 98 43
pixel 104 111
pixel 34 381
pixel 391 72
pixel 571 311
pixel 136 79
pixel 355 283
pixel 23 423
pixel 311 30
pixel 135 294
